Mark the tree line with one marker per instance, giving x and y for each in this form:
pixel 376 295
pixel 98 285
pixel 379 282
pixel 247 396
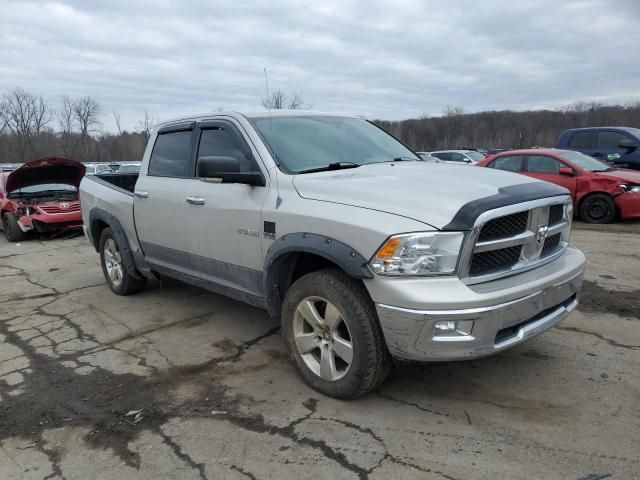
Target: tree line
pixel 456 129
pixel 32 127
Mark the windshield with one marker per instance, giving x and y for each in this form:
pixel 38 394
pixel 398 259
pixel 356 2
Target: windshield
pixel 54 189
pixel 585 161
pixel 475 156
pixel 303 143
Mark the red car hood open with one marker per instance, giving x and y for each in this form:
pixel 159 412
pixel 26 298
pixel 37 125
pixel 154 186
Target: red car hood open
pixel 625 176
pixel 46 170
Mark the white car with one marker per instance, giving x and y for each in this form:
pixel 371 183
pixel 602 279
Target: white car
pixel 427 157
pixel 95 168
pixel 460 157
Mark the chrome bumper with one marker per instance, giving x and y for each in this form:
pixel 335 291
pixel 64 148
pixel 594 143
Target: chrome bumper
pixel 410 333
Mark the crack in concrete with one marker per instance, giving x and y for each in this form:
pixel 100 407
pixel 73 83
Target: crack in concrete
pixel 243 472
pixel 177 450
pixel 386 396
pixel 599 336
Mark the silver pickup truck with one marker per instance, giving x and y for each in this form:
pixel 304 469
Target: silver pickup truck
pixel 365 252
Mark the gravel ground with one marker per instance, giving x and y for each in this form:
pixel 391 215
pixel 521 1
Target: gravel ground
pixel 176 382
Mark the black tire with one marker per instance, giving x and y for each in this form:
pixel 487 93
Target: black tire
pixel 598 208
pixel 11 228
pixel 371 361
pixel 125 284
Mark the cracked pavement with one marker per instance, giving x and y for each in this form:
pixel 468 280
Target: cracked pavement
pixel 176 382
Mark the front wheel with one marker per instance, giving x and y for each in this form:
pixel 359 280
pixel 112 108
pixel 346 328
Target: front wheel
pixel 120 281
pixel 598 208
pixel 331 330
pixel 11 228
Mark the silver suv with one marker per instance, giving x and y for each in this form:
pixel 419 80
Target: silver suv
pixel 366 253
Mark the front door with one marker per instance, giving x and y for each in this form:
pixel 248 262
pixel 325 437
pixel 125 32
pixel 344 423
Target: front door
pixel 547 168
pixel 225 224
pixel 608 149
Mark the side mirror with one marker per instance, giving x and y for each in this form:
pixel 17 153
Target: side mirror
pixel 566 171
pixel 628 144
pixel 226 170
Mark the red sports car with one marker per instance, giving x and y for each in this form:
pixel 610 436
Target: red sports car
pixel 600 192
pixel 41 196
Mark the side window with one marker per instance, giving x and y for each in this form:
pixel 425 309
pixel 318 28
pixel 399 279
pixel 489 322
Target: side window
pixel 170 155
pixel 510 164
pixel 610 140
pixel 543 164
pixel 581 140
pixel 219 142
pixel 442 155
pixel 458 157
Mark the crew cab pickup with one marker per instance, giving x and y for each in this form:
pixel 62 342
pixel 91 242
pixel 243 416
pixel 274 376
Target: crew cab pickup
pixel 364 251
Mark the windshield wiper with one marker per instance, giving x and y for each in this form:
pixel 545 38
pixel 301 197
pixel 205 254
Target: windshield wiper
pixel 331 166
pixel 405 159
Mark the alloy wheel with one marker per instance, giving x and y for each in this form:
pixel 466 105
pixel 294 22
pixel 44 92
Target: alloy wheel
pixel 322 338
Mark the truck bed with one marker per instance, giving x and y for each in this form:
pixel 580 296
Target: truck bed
pixel 111 193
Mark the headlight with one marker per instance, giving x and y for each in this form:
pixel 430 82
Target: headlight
pixel 630 188
pixel 423 254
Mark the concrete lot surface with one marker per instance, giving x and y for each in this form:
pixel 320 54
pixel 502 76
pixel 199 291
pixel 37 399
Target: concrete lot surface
pixel 178 383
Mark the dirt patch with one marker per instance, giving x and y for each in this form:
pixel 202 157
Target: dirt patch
pixel 630 226
pixel 596 299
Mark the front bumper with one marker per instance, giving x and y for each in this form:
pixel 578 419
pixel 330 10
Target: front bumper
pixel 546 296
pixel 629 205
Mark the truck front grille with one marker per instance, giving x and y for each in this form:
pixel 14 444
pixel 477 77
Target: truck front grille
pixel 511 242
pixel 506 226
pixel 494 260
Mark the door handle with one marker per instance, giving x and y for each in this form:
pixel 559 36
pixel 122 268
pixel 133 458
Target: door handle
pixel 597 154
pixel 141 194
pixel 195 200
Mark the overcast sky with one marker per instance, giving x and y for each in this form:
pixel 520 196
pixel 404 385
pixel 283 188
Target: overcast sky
pixel 391 60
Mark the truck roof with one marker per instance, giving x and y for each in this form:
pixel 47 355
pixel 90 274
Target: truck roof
pixel 251 114
pixel 632 130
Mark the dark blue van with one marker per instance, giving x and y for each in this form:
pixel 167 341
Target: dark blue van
pixel 618 146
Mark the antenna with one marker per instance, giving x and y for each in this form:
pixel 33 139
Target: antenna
pixel 275 155
pixel 266 83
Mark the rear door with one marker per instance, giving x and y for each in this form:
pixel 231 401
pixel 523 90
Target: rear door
pixel 159 198
pixel 547 168
pixel 582 141
pixel 608 148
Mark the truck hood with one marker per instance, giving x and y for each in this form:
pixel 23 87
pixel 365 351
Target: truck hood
pixel 46 170
pixel 431 193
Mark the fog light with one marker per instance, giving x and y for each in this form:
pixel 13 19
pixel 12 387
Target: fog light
pixel 452 328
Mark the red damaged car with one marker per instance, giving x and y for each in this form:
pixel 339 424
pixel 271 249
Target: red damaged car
pixel 600 192
pixel 41 196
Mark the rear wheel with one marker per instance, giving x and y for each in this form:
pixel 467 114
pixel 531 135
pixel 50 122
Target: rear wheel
pixel 11 228
pixel 332 333
pixel 113 266
pixel 598 208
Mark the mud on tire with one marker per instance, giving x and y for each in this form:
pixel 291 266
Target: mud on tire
pixel 344 315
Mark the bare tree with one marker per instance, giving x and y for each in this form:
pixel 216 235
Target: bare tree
pixel 145 125
pixel 86 112
pixel 64 116
pixel 116 117
pixel 278 100
pixel 25 115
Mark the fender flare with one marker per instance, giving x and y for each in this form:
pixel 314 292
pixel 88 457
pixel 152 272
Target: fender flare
pixel 121 238
pixel 346 257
